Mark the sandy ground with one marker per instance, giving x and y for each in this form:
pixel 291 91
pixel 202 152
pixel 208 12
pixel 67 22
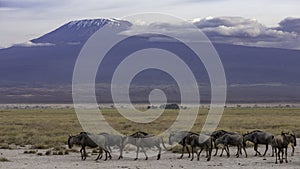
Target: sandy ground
pixel 18 160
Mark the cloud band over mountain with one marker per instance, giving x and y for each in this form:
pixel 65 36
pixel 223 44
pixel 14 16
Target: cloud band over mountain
pixel 243 31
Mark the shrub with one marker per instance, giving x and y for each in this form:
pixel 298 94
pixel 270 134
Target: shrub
pixel 30 152
pixel 60 152
pixel 3 159
pixel 48 152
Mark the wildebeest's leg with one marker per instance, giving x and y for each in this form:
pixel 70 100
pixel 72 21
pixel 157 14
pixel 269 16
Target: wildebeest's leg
pixel 244 148
pixel 83 156
pixel 216 151
pixel 275 155
pixel 209 154
pixel 222 151
pixel 192 153
pixel 267 146
pixel 137 152
pixel 238 151
pixel 182 150
pixel 187 149
pixel 109 155
pixel 293 150
pixel 81 153
pixel 286 160
pixel 241 150
pixel 108 147
pixel 100 151
pixel 198 155
pixel 200 151
pixel 227 150
pixel 144 152
pixel 255 149
pixel 279 151
pixel 100 154
pixel 121 152
pixel 159 152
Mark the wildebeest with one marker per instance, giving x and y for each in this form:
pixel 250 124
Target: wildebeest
pixel 215 135
pixel 293 141
pixel 180 138
pixel 204 142
pixel 280 144
pixel 142 140
pixel 89 140
pixel 232 140
pixel 259 137
pixel 114 140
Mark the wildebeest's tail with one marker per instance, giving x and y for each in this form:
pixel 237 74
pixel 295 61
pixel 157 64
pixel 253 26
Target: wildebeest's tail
pixel 244 143
pixel 212 143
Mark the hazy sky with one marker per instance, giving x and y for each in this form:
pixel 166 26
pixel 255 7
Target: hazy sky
pixel 22 20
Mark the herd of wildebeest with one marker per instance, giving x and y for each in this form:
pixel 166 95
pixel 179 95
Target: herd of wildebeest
pixel 198 142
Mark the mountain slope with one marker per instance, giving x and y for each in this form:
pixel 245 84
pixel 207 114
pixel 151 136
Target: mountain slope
pixel 253 73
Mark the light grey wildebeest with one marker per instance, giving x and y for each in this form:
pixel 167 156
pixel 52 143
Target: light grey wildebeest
pixel 232 140
pixel 215 135
pixel 85 139
pixel 114 140
pixel 293 141
pixel 142 140
pixel 204 142
pixel 180 138
pixel 280 144
pixel 259 137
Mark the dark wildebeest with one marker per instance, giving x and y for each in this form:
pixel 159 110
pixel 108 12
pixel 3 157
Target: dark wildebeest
pixel 232 140
pixel 180 138
pixel 89 140
pixel 142 140
pixel 114 140
pixel 259 137
pixel 204 142
pixel 280 144
pixel 215 135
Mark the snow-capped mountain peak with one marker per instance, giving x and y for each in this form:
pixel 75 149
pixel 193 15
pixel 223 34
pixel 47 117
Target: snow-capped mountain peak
pixel 79 31
pixel 93 22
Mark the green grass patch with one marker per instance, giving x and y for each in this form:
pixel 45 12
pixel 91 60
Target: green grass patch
pixel 51 127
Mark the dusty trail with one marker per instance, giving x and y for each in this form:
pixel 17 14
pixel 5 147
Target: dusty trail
pixel 20 160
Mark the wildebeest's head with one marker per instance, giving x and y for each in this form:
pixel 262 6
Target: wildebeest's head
pixel 171 138
pixel 72 140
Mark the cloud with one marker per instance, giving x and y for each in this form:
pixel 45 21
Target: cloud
pixel 229 30
pixel 290 25
pixel 31 44
pixel 244 31
pixel 23 4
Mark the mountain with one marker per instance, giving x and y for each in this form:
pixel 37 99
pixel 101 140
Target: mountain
pixel 43 73
pixel 79 31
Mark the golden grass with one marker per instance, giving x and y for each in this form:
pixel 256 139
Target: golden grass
pixel 51 127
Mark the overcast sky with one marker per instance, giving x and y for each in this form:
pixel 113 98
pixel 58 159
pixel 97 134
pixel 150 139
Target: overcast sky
pixel 22 20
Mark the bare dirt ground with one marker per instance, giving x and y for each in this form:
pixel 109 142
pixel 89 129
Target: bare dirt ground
pixel 18 160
